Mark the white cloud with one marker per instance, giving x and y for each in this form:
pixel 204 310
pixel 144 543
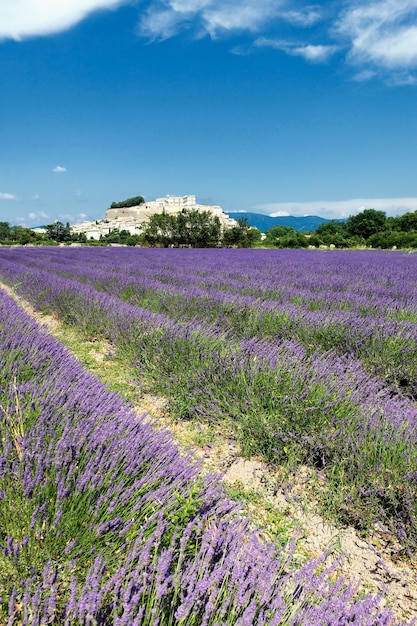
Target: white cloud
pixel 59 169
pixel 20 19
pixel 165 18
pixel 305 17
pixel 315 54
pixel 312 53
pixel 338 208
pixel 364 75
pixel 7 196
pixel 37 215
pixel 279 214
pixel 381 33
pixel 71 218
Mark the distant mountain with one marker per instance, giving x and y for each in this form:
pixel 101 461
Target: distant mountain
pixel 265 222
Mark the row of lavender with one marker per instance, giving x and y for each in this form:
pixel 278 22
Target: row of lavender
pixel 364 304
pixel 288 403
pixel 103 522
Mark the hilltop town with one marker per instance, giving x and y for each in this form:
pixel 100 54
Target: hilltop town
pixel 132 218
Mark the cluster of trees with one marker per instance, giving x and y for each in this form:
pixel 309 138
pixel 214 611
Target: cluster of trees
pixel 61 233
pixel 189 228
pixel 196 229
pixel 135 201
pixel 17 235
pixel 54 233
pixel 285 237
pixel 369 228
pixel 122 237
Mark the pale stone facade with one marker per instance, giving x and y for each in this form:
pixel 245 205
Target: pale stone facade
pixel 132 218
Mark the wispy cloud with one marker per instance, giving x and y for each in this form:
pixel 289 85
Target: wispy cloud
pixel 59 169
pixel 72 218
pixel 305 17
pixel 381 34
pixel 378 37
pixel 333 209
pixel 20 19
pixel 310 52
pixel 37 215
pixel 164 18
pixel 7 196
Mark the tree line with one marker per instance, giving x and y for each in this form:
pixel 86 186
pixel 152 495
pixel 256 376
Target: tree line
pixel 370 228
pixel 197 229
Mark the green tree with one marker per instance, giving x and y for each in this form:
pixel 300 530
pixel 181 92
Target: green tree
pixel 390 238
pixel 295 240
pixel 159 231
pixel 204 228
pixel 23 235
pixel 404 223
pixel 333 233
pixel 4 231
pixel 254 237
pixel 274 234
pixel 241 236
pixel 58 232
pixel 133 240
pixel 366 223
pixel 189 227
pixel 135 201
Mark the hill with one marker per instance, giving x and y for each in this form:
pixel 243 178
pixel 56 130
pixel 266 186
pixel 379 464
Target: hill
pixel 265 222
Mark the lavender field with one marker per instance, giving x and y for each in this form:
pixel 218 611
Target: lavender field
pixel 309 356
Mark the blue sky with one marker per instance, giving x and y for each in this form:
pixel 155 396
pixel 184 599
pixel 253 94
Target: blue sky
pixel 272 106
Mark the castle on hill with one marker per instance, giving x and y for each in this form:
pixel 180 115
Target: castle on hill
pixel 132 218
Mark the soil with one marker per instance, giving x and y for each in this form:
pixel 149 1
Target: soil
pixel 375 561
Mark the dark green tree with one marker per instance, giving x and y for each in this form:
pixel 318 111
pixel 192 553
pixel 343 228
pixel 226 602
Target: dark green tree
pixel 333 233
pixel 274 234
pixel 189 227
pixel 405 223
pixel 22 235
pixel 242 235
pixel 295 240
pixel 160 229
pixel 4 231
pixel 204 228
pixel 366 223
pixel 135 201
pixel 58 232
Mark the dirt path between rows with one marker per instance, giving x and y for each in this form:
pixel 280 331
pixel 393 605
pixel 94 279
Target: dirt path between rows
pixel 374 562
